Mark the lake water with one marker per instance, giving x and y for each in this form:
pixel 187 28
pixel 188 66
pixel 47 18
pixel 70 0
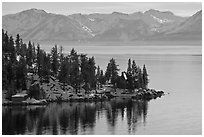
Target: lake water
pixel 177 71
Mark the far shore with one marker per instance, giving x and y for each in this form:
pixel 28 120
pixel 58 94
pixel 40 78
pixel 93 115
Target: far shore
pixel 123 43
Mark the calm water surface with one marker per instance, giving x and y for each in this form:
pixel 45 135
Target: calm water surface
pixel 179 112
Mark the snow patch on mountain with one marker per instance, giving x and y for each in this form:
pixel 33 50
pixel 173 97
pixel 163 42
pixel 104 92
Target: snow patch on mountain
pixel 88 30
pixel 161 20
pixel 91 19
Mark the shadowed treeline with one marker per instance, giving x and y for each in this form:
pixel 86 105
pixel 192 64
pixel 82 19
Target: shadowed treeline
pixel 72 118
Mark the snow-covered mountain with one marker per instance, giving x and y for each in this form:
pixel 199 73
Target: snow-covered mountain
pixel 38 25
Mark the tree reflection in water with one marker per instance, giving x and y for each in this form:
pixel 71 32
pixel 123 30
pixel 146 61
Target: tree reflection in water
pixel 73 118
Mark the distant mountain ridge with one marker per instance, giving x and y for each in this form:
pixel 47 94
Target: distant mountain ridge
pixel 38 25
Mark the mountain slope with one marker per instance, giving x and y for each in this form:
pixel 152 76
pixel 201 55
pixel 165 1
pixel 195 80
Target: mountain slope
pixel 191 25
pixel 37 25
pixel 126 30
pixel 155 20
pixel 40 26
pixel 191 29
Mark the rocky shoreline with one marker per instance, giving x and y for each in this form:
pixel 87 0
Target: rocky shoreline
pixel 141 95
pixel 54 91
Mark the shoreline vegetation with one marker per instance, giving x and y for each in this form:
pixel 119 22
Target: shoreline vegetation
pixel 31 76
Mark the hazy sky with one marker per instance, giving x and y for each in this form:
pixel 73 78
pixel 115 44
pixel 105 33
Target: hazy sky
pixel 181 8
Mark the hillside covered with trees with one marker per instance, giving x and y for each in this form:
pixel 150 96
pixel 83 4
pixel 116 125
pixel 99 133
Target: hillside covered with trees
pixel 21 60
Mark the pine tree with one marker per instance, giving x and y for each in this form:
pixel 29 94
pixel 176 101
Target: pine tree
pixel 17 42
pixel 46 66
pixel 129 76
pixel 9 65
pixel 112 72
pixel 145 77
pixel 92 69
pixel 4 61
pixel 134 74
pixel 4 74
pixel 21 74
pixel 61 54
pixel 55 63
pixel 88 71
pixel 34 54
pixel 12 50
pixel 98 74
pixel 74 72
pixel 11 69
pixel 40 60
pixel 5 41
pixel 64 72
pixel 29 56
pixel 140 82
pixel 23 49
pixel 102 78
pixel 85 70
pixel 129 69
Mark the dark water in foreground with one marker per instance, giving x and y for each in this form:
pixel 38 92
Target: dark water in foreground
pixel 76 118
pixel 179 112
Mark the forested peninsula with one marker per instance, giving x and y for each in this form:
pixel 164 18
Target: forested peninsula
pixel 32 76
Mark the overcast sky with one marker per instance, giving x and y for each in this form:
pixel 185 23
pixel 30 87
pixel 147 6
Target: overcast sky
pixel 181 9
